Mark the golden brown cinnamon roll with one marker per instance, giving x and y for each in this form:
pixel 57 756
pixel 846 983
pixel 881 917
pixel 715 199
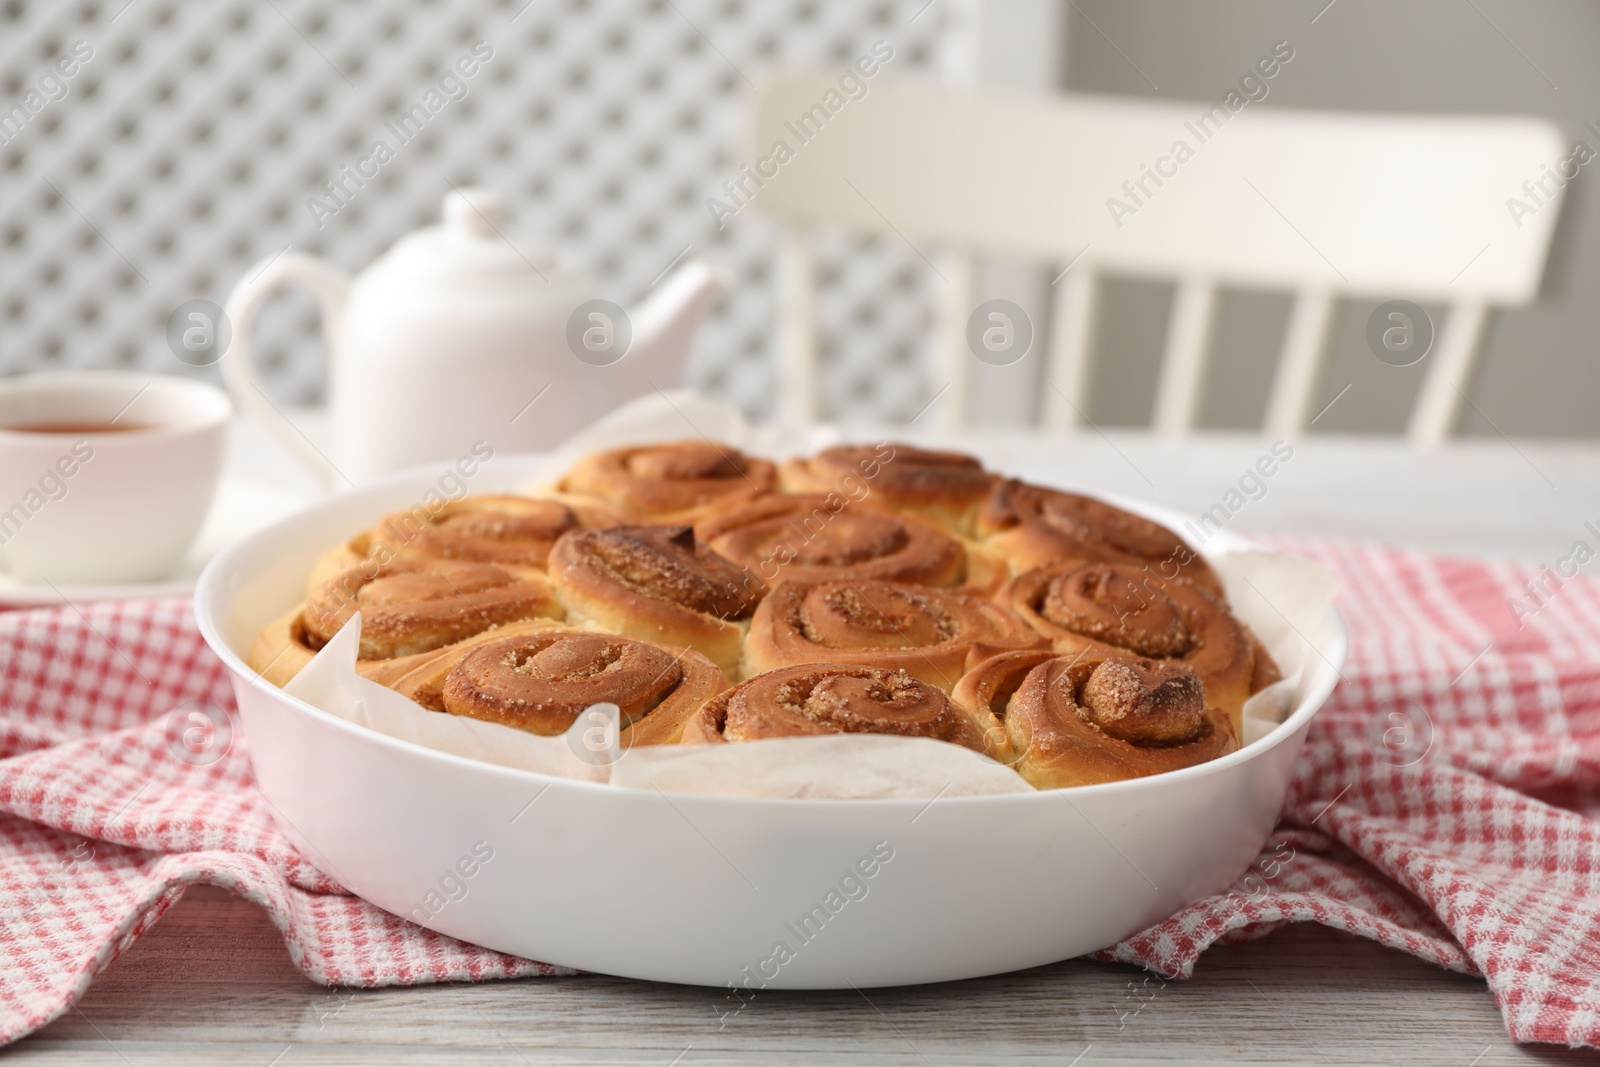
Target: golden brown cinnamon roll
pixel 1095 717
pixel 670 483
pixel 504 529
pixel 407 606
pixel 925 632
pixel 417 605
pixel 1030 526
pixel 511 531
pixel 540 678
pixel 1118 608
pixel 816 536
pixel 946 487
pixel 282 648
pixel 656 583
pixel 830 698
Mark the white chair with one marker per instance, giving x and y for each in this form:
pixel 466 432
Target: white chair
pixel 1326 205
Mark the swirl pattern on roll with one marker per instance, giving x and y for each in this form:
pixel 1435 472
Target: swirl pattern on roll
pixel 656 583
pixel 1118 608
pixel 830 698
pixel 674 482
pixel 816 536
pixel 541 678
pixel 1030 526
pixel 503 529
pixel 409 606
pixel 925 632
pixel 1093 717
pixel 946 487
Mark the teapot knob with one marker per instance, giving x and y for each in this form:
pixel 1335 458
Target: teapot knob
pixel 480 212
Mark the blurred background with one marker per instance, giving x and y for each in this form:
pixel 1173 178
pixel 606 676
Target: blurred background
pixel 186 147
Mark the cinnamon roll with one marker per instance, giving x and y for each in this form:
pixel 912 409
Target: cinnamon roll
pixel 407 606
pixel 504 529
pixel 511 531
pixel 1095 717
pixel 282 648
pixel 670 483
pixel 656 583
pixel 540 677
pixel 830 698
pixel 1118 608
pixel 816 536
pixel 946 487
pixel 928 633
pixel 1029 526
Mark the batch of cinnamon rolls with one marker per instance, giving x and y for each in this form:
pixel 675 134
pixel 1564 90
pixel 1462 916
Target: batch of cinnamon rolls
pixel 719 597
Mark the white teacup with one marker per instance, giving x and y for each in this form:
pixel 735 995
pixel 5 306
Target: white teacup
pixel 105 478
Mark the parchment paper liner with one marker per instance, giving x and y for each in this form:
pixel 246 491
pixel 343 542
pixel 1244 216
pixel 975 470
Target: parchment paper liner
pixel 1284 599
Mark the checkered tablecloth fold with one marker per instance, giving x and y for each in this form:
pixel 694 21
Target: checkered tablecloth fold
pixel 1445 805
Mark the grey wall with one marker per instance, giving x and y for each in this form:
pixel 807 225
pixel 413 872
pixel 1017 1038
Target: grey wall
pixel 1537 375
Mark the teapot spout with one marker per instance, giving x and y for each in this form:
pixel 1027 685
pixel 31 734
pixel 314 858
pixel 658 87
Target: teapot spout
pixel 665 323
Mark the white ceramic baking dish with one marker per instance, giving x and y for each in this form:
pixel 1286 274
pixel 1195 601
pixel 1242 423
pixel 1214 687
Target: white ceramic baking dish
pixel 704 890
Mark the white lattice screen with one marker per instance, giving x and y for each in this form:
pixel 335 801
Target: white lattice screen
pixel 185 149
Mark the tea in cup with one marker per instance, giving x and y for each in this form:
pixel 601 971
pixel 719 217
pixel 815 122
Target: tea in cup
pixel 105 478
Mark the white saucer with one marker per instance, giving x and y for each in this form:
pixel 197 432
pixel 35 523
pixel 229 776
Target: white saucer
pixel 241 508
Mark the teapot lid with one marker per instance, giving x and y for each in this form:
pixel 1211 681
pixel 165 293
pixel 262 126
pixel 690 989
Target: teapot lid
pixel 473 239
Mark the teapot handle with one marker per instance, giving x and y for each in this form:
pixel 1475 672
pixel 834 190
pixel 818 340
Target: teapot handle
pixel 262 280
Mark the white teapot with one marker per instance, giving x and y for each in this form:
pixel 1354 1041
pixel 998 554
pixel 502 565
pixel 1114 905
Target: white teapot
pixel 454 337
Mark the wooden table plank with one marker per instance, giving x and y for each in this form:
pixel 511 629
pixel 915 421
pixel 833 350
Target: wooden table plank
pixel 213 984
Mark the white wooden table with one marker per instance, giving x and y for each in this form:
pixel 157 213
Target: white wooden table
pixel 212 983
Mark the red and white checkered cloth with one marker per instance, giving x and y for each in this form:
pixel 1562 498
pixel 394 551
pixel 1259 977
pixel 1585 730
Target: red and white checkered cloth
pixel 1478 851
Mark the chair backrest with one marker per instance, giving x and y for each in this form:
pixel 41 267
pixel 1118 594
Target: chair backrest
pixel 1322 204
